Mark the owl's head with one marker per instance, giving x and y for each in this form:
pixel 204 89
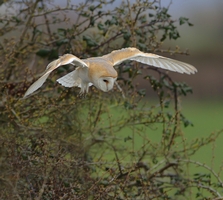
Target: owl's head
pixel 105 83
pixel 102 74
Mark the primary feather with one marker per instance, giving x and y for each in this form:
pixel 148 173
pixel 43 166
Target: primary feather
pixel 119 56
pixel 70 80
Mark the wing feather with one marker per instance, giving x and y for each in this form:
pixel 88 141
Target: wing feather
pixel 63 60
pixel 165 63
pixel 70 80
pixel 36 85
pixel 119 56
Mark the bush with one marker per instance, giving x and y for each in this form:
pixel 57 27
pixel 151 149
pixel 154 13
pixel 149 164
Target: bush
pixel 56 145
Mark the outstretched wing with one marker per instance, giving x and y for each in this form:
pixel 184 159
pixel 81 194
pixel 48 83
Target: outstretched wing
pixel 70 80
pixel 118 56
pixel 63 60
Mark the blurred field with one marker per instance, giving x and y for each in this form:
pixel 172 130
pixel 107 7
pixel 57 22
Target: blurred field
pixel 206 117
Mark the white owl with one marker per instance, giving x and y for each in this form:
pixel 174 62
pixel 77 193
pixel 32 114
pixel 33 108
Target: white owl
pixel 100 72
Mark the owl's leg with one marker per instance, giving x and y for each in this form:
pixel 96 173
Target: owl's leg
pixel 84 89
pixel 82 92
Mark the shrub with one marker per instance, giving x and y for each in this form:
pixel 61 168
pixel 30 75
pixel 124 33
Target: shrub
pixel 56 145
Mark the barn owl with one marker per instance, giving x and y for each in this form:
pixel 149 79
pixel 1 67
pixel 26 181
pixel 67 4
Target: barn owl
pixel 100 72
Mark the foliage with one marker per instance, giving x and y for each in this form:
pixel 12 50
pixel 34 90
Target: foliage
pixel 56 145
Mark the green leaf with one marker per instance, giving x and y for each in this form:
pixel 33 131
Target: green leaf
pixel 126 35
pixel 43 52
pixel 142 92
pixel 163 38
pixel 139 32
pixel 141 45
pixel 126 69
pixel 62 31
pixel 166 104
pixel 186 123
pixel 127 138
pixel 182 20
pixel 60 42
pixel 90 42
pixel 112 21
pixel 53 54
pixel 16 19
pixel 101 26
pixel 91 8
pixel 92 21
pixel 128 105
pixel 143 19
pixel 84 14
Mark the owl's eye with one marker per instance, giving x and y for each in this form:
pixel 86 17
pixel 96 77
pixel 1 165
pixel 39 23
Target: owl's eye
pixel 106 81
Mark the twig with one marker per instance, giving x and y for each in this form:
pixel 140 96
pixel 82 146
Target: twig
pixel 107 41
pixel 168 165
pixel 41 191
pixel 47 23
pixel 206 167
pixel 98 115
pixel 210 189
pixel 28 22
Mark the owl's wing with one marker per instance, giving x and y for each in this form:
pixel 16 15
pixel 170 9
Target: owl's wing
pixel 118 56
pixel 70 80
pixel 63 60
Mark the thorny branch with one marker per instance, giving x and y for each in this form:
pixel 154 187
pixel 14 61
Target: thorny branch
pixel 89 144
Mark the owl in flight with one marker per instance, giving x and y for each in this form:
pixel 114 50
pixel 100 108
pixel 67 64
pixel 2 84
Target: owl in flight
pixel 100 72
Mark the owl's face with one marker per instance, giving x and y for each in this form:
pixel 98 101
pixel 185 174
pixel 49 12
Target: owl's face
pixel 105 83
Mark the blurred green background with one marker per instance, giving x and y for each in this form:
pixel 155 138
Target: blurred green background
pixel 205 43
